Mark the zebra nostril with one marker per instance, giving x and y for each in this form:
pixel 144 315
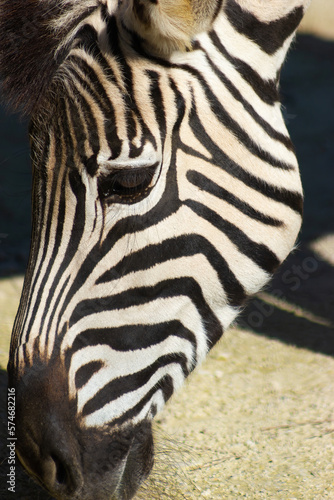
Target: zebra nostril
pixel 61 476
pixel 67 476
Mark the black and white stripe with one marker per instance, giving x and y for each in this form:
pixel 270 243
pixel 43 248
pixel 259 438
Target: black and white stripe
pixel 166 191
pixel 132 293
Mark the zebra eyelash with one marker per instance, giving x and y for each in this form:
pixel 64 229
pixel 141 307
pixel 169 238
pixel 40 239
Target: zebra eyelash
pixel 127 185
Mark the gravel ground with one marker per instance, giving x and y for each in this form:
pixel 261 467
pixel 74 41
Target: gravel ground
pixel 256 420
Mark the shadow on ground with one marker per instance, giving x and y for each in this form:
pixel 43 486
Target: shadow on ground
pixel 298 306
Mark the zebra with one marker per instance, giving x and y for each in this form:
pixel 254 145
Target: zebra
pixel 166 191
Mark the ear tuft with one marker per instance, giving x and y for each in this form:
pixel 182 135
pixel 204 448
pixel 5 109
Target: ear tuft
pixel 166 25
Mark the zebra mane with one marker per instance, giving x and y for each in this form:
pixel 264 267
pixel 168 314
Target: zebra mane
pixel 34 38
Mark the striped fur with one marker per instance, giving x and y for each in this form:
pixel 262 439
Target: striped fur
pixel 166 192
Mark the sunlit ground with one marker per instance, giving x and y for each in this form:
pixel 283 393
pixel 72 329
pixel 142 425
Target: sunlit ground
pixel 10 290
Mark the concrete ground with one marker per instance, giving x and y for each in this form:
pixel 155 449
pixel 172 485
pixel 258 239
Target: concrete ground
pixel 256 420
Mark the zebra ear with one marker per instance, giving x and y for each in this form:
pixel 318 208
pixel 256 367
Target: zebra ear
pixel 32 46
pixel 167 25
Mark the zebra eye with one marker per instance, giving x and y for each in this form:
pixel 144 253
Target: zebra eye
pixel 126 186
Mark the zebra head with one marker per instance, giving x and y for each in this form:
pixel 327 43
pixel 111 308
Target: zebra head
pixel 165 191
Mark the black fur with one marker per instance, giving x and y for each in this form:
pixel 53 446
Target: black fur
pixel 28 48
pixel 269 36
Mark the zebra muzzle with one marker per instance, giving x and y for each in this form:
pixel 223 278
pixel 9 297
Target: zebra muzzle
pixel 69 460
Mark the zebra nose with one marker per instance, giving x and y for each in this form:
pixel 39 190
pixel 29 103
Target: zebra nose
pixel 60 475
pixel 53 463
